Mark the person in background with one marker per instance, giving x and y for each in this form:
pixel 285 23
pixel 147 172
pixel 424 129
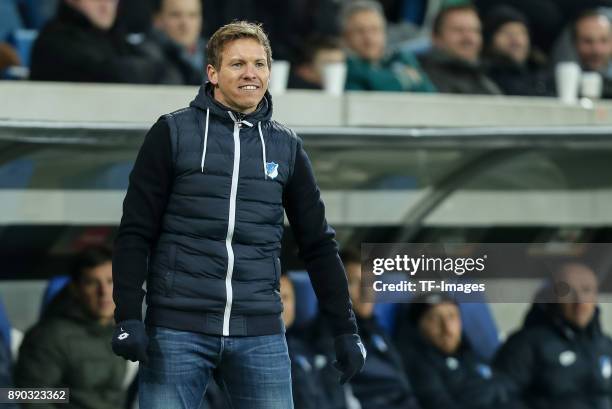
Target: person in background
pixel 69 347
pixel 592 35
pixel 509 59
pixel 313 379
pixel 82 44
pixel 175 38
pixel 212 271
pixel 453 64
pixel 307 69
pixel 382 384
pixel 443 367
pixel 370 65
pixel 561 358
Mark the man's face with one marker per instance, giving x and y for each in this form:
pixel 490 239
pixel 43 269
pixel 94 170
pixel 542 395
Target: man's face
pixel 512 40
pixel 181 20
pixel 288 299
pixel 242 78
pixel 361 307
pixel 365 35
pixel 593 42
pixel 441 325
pixel 101 13
pixel 460 35
pixel 324 57
pixel 577 294
pixel 95 291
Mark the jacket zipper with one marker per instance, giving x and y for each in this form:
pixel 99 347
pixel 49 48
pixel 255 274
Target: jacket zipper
pixel 230 230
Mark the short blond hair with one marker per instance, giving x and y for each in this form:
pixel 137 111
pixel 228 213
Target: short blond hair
pixel 234 31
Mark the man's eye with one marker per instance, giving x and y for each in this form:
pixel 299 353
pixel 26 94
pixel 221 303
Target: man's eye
pixel 260 65
pixel 236 64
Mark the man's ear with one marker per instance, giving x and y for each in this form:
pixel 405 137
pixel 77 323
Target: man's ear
pixel 213 75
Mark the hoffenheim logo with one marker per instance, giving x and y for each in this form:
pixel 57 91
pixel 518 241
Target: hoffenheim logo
pixel 271 170
pixel 484 371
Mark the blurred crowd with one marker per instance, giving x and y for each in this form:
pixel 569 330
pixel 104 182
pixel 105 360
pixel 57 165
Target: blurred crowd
pixel 508 47
pixel 559 358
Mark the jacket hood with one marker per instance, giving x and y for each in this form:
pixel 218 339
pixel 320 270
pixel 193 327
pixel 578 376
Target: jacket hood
pixel 205 101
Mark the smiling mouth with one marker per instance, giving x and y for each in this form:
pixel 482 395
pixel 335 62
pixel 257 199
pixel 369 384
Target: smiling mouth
pixel 249 87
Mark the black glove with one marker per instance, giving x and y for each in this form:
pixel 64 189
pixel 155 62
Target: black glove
pixel 350 356
pixel 130 340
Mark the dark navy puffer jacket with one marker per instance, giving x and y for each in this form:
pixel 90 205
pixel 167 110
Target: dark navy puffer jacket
pixel 211 220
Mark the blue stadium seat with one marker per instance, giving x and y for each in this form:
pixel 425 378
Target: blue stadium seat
pixel 306 306
pixel 23 41
pixel 480 328
pixel 55 285
pixel 386 314
pixel 10 19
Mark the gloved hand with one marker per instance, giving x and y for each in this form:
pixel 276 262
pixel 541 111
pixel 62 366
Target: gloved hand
pixel 130 340
pixel 350 356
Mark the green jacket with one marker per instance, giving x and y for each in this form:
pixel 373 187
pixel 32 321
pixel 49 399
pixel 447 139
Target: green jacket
pixel 68 349
pixel 398 71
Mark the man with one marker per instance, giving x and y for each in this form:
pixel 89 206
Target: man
pixel 313 378
pixel 453 64
pixel 443 367
pixel 202 224
pixel 82 44
pixel 307 69
pixel 592 36
pixel 69 347
pixel 382 384
pixel 371 67
pixel 176 36
pixel 561 358
pixel 509 60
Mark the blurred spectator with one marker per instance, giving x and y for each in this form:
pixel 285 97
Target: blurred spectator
pixel 8 56
pixel 314 380
pixel 547 17
pixel 441 363
pixel 382 384
pixel 592 35
pixel 307 70
pixel 453 65
pixel 81 44
pixel 70 346
pixel 371 66
pixel 175 39
pixel 561 358
pixel 509 59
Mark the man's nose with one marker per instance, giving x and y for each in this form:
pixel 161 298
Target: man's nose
pixel 249 71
